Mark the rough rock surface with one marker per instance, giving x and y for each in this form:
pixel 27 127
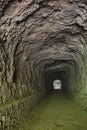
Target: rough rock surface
pixel 40 40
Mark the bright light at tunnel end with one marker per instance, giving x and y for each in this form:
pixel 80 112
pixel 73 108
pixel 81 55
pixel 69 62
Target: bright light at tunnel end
pixel 57 84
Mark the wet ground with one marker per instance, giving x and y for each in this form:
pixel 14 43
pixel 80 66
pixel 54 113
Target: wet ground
pixel 56 112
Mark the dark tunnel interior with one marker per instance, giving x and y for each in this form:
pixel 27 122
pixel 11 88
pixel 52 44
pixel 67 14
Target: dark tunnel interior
pixel 41 41
pixel 50 77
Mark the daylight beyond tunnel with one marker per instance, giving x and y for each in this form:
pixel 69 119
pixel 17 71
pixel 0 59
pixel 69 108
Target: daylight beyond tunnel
pixel 52 77
pixel 41 41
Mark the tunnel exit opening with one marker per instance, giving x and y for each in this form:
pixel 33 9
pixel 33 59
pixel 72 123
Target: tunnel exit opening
pixel 57 84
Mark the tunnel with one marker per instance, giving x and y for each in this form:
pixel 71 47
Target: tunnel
pixel 50 78
pixel 41 41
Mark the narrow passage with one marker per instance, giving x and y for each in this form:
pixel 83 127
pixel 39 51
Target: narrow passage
pixel 56 112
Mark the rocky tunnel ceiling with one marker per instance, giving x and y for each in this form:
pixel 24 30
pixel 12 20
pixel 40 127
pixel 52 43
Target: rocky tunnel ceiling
pixel 38 38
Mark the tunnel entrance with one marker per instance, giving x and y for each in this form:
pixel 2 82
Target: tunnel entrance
pixel 57 84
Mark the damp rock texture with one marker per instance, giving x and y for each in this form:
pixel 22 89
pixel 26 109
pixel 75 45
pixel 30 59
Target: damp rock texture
pixel 41 40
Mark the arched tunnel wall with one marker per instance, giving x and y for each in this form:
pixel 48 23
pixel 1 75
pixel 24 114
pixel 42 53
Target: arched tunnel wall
pixel 39 41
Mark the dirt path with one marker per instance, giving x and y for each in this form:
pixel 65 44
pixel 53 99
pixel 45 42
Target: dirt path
pixel 56 112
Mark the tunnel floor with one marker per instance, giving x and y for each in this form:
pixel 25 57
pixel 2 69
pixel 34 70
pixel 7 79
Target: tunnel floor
pixel 56 112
